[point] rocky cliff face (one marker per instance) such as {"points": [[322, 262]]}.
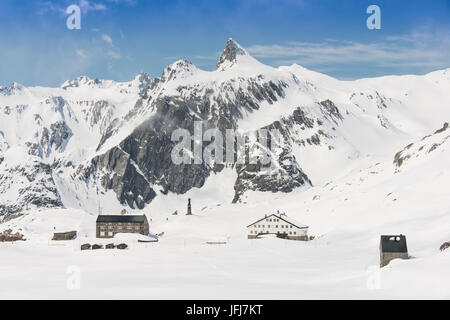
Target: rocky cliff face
{"points": [[26, 186], [143, 159]]}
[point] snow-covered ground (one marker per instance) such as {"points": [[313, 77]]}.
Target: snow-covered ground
{"points": [[347, 217]]}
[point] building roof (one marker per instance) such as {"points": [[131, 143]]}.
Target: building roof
{"points": [[393, 243], [285, 219], [66, 232], [121, 218]]}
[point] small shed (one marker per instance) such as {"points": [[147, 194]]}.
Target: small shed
{"points": [[60, 236], [392, 247], [85, 246], [122, 246]]}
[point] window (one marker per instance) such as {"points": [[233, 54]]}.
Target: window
{"points": [[295, 232], [110, 227], [137, 228], [276, 226], [102, 233], [291, 227], [110, 234], [102, 227]]}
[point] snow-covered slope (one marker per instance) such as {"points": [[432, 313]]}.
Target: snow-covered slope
{"points": [[44, 130]]}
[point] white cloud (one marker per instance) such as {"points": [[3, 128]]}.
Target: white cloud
{"points": [[107, 39], [86, 6], [113, 54], [126, 2], [44, 7], [81, 53], [418, 49], [211, 57]]}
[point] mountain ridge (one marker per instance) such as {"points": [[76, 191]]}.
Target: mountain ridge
{"points": [[101, 135]]}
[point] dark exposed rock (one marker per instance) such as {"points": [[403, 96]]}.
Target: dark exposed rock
{"points": [[9, 236], [232, 50], [55, 137], [444, 246], [143, 159], [39, 191]]}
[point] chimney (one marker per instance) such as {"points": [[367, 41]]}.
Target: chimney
{"points": [[189, 209]]}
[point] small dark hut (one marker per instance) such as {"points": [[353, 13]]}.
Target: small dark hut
{"points": [[122, 246], [110, 246], [60, 236], [392, 247], [97, 246], [85, 246], [444, 246]]}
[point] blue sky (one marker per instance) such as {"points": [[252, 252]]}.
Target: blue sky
{"points": [[120, 38]]}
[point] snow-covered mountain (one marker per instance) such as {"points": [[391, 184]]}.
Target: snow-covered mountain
{"points": [[96, 142]]}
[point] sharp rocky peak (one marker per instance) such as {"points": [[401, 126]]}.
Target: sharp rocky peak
{"points": [[230, 54]]}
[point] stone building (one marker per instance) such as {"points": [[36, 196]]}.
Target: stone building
{"points": [[59, 236], [280, 225], [392, 247], [108, 226]]}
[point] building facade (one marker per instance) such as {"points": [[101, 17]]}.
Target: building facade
{"points": [[392, 247], [60, 236], [107, 226], [280, 225]]}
